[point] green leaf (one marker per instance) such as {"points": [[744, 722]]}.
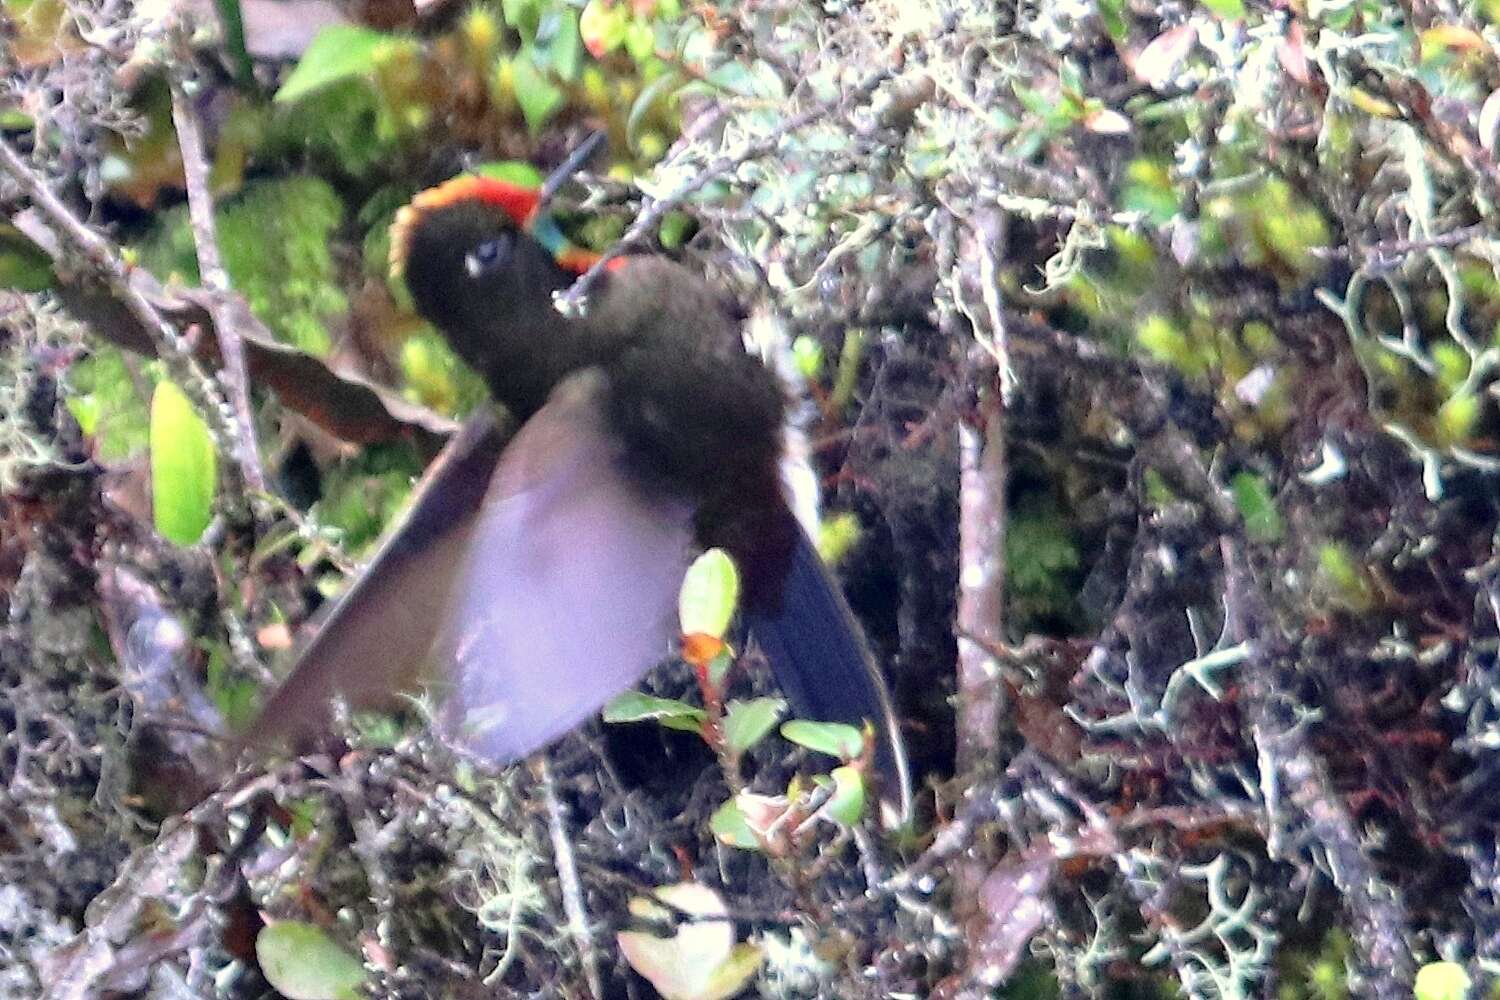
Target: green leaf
{"points": [[640, 41], [183, 466], [675, 229], [1457, 418], [339, 52], [538, 96], [633, 706], [747, 722], [602, 26], [558, 43], [522, 15], [733, 973], [236, 698], [718, 667], [302, 962], [233, 22], [735, 77], [833, 738], [838, 535], [807, 357], [710, 592], [1344, 576], [1253, 497], [757, 80], [517, 172], [729, 825], [102, 397], [86, 410], [1441, 981], [1226, 9], [1112, 13], [24, 266], [848, 802], [653, 92]]}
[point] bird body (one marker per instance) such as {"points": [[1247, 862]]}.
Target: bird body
{"points": [[548, 566]]}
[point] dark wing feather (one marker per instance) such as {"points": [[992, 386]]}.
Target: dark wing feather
{"points": [[374, 639], [821, 660], [569, 586]]}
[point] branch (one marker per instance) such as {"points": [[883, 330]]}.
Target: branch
{"points": [[215, 277], [348, 406], [104, 261], [1287, 755], [981, 582], [567, 875]]}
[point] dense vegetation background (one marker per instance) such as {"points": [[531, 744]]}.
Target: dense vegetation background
{"points": [[1150, 355]]}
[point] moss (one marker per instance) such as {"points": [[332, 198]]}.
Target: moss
{"points": [[1041, 562], [102, 396], [362, 496], [274, 237]]}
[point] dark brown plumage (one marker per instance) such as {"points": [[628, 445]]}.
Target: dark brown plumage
{"points": [[539, 578]]}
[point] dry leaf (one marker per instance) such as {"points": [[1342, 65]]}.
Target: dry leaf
{"points": [[1159, 60]]}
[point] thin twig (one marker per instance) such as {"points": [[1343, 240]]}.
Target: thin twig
{"points": [[213, 275], [567, 875], [765, 145], [1387, 254]]}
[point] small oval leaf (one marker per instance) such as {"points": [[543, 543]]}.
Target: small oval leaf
{"points": [[633, 706], [1441, 981], [698, 962], [538, 96], [1227, 10], [729, 825], [517, 172], [339, 52], [733, 973], [303, 963], [833, 738], [653, 92], [747, 722], [24, 266], [602, 26], [183, 466], [848, 802], [709, 595]]}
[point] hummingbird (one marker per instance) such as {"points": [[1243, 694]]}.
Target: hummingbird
{"points": [[535, 577]]}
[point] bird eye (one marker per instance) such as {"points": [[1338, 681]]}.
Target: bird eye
{"points": [[487, 255]]}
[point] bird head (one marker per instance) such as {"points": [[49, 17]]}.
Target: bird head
{"points": [[482, 262], [466, 254]]}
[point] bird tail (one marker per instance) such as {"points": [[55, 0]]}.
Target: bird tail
{"points": [[823, 664]]}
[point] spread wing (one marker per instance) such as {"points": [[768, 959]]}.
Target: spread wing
{"points": [[568, 587], [532, 581], [374, 639]]}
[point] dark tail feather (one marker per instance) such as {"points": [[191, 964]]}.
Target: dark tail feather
{"points": [[824, 666]]}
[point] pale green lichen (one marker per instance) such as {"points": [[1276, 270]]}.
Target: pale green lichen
{"points": [[28, 325]]}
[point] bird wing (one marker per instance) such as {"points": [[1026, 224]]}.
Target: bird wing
{"points": [[568, 587], [821, 660], [372, 641]]}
